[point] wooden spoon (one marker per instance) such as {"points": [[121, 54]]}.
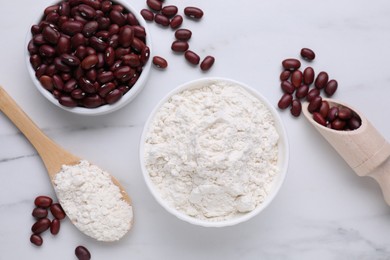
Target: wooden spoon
{"points": [[52, 155], [364, 149]]}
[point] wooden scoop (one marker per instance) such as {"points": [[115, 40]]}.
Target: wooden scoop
{"points": [[52, 155], [364, 149]]}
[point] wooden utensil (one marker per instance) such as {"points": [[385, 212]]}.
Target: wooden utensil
{"points": [[364, 149]]}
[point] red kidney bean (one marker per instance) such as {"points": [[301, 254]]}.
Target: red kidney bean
{"points": [[160, 62], [39, 213], [106, 6], [97, 44], [312, 94], [331, 87], [41, 225], [86, 85], [319, 119], [51, 35], [137, 45], [82, 253], [338, 124], [43, 201], [354, 123], [91, 75], [47, 51], [180, 46], [308, 54], [35, 61], [32, 48], [70, 85], [41, 70], [57, 211], [55, 226], [315, 104], [105, 76], [70, 60], [67, 101], [77, 94], [183, 34], [36, 239], [126, 36], [285, 75], [161, 19], [63, 45], [193, 12], [169, 10], [176, 21], [154, 5], [345, 113], [58, 83], [92, 101], [38, 39], [59, 65], [207, 63], [308, 75], [89, 62], [321, 80], [117, 17], [87, 11], [147, 15], [296, 108], [287, 87], [285, 101], [64, 9], [105, 89], [139, 31], [131, 59], [332, 113], [90, 28], [145, 53], [302, 91], [324, 108], [291, 64], [192, 57], [296, 78], [72, 27], [113, 96]]}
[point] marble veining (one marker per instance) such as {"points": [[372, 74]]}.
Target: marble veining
{"points": [[324, 210]]}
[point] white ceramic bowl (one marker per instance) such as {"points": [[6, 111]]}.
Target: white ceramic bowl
{"points": [[104, 109], [283, 155]]}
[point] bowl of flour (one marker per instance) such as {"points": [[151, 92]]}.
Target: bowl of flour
{"points": [[214, 152]]}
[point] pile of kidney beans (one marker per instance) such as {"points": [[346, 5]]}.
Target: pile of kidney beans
{"points": [[88, 53], [168, 16], [43, 206], [297, 86]]}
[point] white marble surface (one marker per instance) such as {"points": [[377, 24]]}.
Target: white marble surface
{"points": [[324, 211]]}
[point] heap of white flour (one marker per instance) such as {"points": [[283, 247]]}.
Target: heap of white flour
{"points": [[92, 201], [212, 151]]}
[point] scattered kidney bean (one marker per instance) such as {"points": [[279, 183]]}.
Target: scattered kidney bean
{"points": [[287, 87], [155, 5], [308, 54], [36, 239], [192, 57], [207, 63], [39, 213], [43, 201], [321, 80], [315, 104], [285, 101], [57, 211], [285, 75], [302, 91], [176, 21], [147, 15], [161, 19], [296, 107], [314, 92], [82, 253], [41, 225], [183, 34], [160, 62], [291, 64], [55, 226], [308, 75], [180, 46], [324, 109], [193, 12], [319, 119], [331, 87], [296, 78], [169, 10]]}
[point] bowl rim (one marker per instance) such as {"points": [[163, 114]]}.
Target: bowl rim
{"points": [[283, 155], [107, 108]]}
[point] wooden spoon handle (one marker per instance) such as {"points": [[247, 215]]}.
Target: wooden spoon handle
{"points": [[49, 151], [382, 176]]}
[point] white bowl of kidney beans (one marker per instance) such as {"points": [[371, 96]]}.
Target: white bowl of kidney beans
{"points": [[172, 151], [89, 57]]}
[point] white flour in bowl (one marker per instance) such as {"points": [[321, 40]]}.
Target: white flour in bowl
{"points": [[212, 151], [92, 201]]}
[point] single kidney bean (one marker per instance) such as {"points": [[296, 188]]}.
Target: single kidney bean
{"points": [[331, 87], [308, 75], [319, 119], [160, 62], [183, 34], [169, 10], [155, 5], [47, 51], [51, 35], [51, 9], [43, 201], [176, 21], [35, 61], [38, 39], [207, 63], [70, 85], [36, 239], [285, 75], [72, 27], [64, 9], [77, 94], [296, 78], [131, 19], [70, 60], [59, 65], [86, 85], [90, 28], [315, 104], [63, 45], [40, 71], [308, 54], [296, 108], [291, 64], [87, 11], [82, 253], [137, 45], [67, 101], [312, 94], [321, 80], [354, 123], [105, 89], [332, 114], [126, 36], [193, 12], [285, 101], [145, 53], [89, 62], [161, 19], [192, 57], [58, 83], [97, 44], [287, 87], [57, 211], [124, 73], [345, 113], [32, 48], [338, 124], [147, 15], [41, 225], [117, 17], [324, 109], [113, 96], [55, 226], [92, 101], [131, 59], [180, 46], [139, 31], [51, 69], [105, 76], [39, 213], [302, 91], [91, 75]]}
